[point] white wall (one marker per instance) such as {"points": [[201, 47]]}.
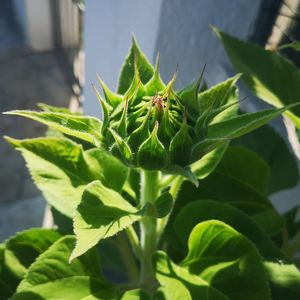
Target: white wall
{"points": [[107, 38]]}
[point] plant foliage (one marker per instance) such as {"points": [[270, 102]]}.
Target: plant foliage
{"points": [[162, 206]]}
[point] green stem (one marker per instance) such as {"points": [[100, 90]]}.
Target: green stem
{"points": [[149, 193]]}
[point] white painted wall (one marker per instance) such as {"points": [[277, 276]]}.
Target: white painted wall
{"points": [[108, 27], [39, 24]]}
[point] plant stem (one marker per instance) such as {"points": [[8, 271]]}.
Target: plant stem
{"points": [[149, 193]]}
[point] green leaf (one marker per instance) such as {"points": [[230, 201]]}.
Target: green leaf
{"points": [[61, 169], [246, 166], [193, 287], [171, 289], [52, 277], [227, 260], [269, 76], [6, 291], [185, 172], [163, 204], [51, 108], [285, 281], [204, 210], [295, 45], [292, 221], [223, 188], [82, 127], [235, 127], [19, 252], [101, 213], [136, 294], [107, 168], [204, 166], [227, 94], [283, 164], [127, 72]]}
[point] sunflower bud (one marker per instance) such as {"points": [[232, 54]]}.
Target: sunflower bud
{"points": [[149, 125]]}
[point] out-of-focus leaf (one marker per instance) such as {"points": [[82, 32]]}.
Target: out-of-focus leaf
{"points": [[273, 149], [246, 166], [270, 76], [285, 281]]}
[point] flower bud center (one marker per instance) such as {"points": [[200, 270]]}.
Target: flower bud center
{"points": [[158, 102]]}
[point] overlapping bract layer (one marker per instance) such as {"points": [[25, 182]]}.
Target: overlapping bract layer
{"points": [[152, 126]]}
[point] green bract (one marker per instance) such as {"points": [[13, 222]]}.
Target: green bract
{"points": [[153, 127]]}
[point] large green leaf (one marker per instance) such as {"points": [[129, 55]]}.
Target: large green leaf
{"points": [[61, 169], [285, 281], [171, 289], [227, 260], [224, 188], [235, 127], [246, 166], [136, 294], [52, 277], [168, 274], [18, 253], [51, 108], [203, 210], [270, 77], [101, 213], [127, 72], [283, 164], [82, 127]]}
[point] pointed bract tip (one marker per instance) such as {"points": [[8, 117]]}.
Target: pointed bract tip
{"points": [[134, 42], [157, 60], [155, 128], [216, 30], [200, 78], [10, 112], [101, 82], [12, 141]]}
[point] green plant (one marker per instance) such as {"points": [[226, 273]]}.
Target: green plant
{"points": [[154, 191], [270, 76]]}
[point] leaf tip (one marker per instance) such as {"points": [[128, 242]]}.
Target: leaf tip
{"points": [[12, 141]]}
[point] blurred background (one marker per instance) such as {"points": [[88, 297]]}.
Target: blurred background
{"points": [[51, 50]]}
